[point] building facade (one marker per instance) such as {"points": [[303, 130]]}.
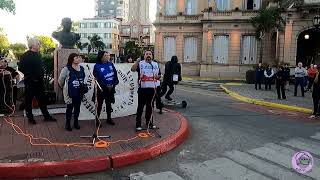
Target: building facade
{"points": [[106, 28], [139, 11], [138, 28], [137, 32], [112, 8], [215, 38]]}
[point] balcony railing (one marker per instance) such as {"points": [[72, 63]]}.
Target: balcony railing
{"points": [[170, 18], [222, 13], [216, 15]]}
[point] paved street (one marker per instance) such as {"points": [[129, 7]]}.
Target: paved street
{"points": [[230, 140]]}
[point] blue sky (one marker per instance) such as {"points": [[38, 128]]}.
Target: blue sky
{"points": [[42, 17]]}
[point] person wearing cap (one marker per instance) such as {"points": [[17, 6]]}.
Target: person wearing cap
{"points": [[31, 66], [14, 75]]}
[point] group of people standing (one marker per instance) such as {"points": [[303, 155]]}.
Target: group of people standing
{"points": [[306, 78], [281, 76], [72, 77], [105, 73]]}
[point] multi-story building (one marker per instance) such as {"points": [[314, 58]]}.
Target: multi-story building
{"points": [[106, 28], [112, 8], [136, 31], [138, 28], [139, 11], [216, 38]]}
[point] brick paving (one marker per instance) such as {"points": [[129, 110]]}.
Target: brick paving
{"points": [[248, 90], [16, 148]]}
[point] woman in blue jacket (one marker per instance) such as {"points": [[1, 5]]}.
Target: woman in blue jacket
{"points": [[106, 75]]}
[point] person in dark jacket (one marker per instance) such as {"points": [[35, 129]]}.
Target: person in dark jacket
{"points": [[268, 74], [259, 76], [14, 75], [286, 70], [316, 95], [280, 82], [106, 75], [172, 75], [31, 66]]}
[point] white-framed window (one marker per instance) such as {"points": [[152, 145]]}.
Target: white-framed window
{"points": [[191, 7], [145, 30], [169, 48], [223, 5], [171, 7], [252, 4], [190, 49], [248, 50], [220, 49]]}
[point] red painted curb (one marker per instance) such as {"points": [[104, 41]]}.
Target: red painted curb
{"points": [[154, 150], [75, 167], [48, 169]]}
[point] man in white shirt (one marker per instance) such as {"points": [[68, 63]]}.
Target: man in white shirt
{"points": [[299, 73], [148, 71]]}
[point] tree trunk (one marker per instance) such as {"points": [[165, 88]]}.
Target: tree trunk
{"points": [[261, 50]]}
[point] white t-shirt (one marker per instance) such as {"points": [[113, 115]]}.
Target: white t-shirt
{"points": [[148, 71]]}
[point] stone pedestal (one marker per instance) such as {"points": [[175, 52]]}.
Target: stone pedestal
{"points": [[60, 61]]}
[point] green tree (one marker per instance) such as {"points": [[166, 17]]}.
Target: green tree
{"points": [[47, 44], [8, 5], [18, 49], [133, 50], [81, 45], [267, 22], [4, 43], [95, 44]]}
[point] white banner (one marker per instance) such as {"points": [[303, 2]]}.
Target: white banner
{"points": [[126, 96]]}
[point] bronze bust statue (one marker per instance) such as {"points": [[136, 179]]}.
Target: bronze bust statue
{"points": [[66, 38]]}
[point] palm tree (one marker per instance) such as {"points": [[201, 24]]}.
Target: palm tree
{"points": [[267, 22], [133, 50], [95, 44]]}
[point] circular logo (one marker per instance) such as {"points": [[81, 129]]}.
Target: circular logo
{"points": [[302, 162]]}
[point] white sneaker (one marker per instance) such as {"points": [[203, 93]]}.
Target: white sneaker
{"points": [[139, 129], [312, 116]]}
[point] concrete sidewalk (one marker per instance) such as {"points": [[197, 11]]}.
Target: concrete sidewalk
{"points": [[248, 90]]}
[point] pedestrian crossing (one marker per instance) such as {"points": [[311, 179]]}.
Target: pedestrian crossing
{"points": [[269, 162]]}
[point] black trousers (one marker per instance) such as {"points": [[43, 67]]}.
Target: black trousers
{"points": [[258, 82], [75, 107], [280, 87], [268, 82], [299, 81], [315, 105], [164, 89], [159, 104], [310, 79], [145, 97], [107, 95], [35, 89]]}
